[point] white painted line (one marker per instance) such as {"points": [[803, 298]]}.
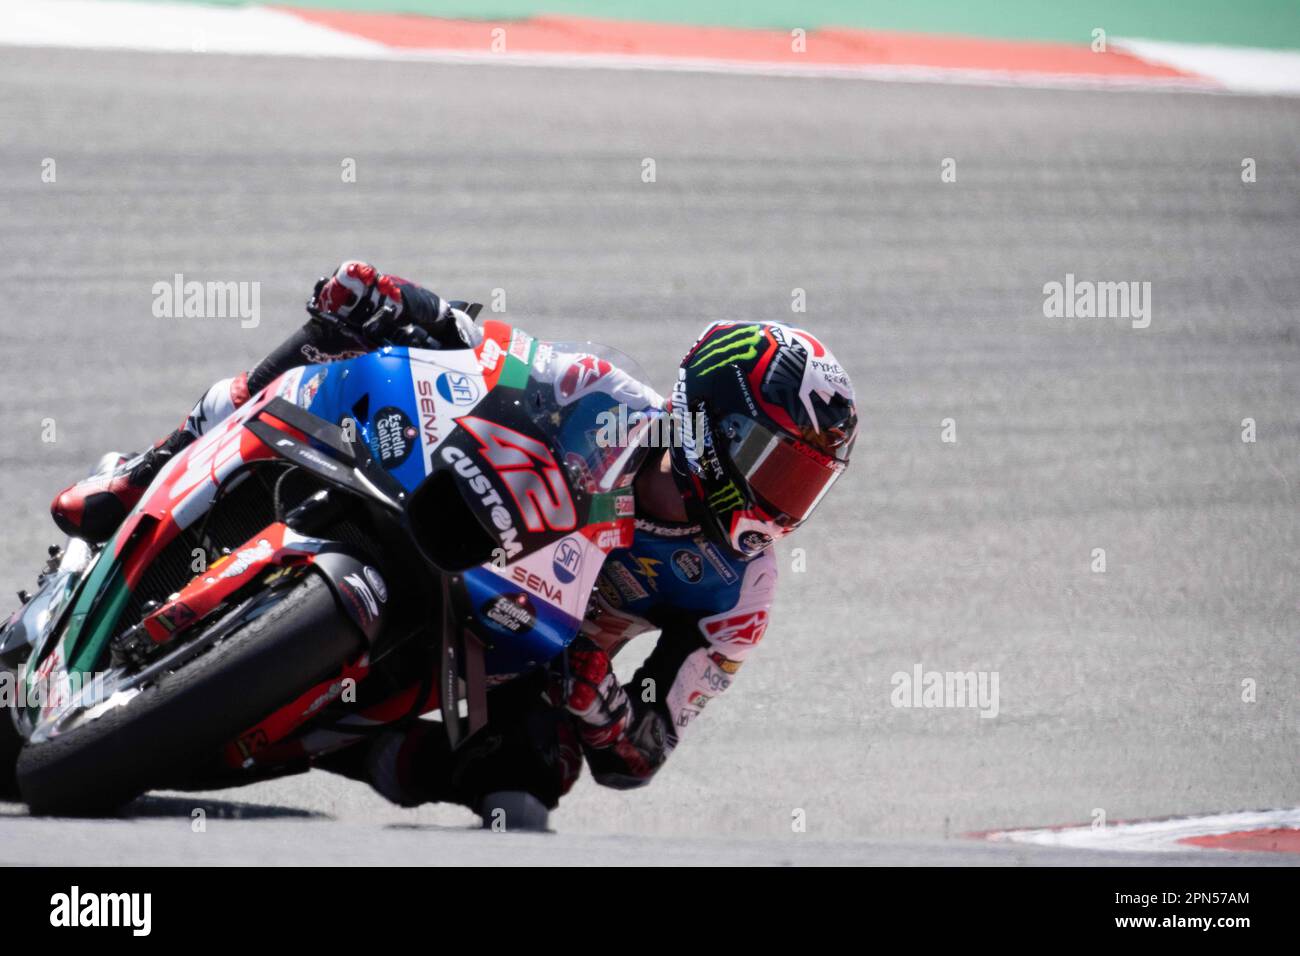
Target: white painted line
{"points": [[194, 28], [899, 74], [1240, 69], [189, 28], [1152, 835]]}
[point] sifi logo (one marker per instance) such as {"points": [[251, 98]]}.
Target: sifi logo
{"points": [[457, 388], [568, 560]]}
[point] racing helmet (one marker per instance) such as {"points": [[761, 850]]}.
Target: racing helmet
{"points": [[764, 420]]}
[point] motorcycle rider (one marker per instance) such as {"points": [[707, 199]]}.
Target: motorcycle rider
{"points": [[764, 420]]}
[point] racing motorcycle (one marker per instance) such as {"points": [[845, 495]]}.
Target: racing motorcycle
{"points": [[360, 544]]}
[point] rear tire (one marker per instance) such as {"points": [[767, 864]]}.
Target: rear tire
{"points": [[178, 724]]}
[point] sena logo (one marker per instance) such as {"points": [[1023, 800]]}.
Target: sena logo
{"points": [[428, 412], [538, 585]]}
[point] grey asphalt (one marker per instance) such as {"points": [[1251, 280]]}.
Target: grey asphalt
{"points": [[1119, 692]]}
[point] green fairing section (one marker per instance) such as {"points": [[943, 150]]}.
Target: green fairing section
{"points": [[78, 655], [101, 628], [604, 507], [514, 374]]}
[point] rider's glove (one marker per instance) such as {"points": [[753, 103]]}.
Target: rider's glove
{"points": [[588, 689], [357, 293]]}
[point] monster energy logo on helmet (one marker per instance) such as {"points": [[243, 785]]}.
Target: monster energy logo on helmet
{"points": [[737, 345], [726, 498]]}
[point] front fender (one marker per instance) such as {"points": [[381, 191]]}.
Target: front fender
{"points": [[359, 589]]}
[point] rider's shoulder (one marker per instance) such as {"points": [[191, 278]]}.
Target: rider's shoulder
{"points": [[577, 374]]}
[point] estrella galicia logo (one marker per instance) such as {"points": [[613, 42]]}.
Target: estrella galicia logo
{"points": [[509, 613], [688, 566], [568, 559], [395, 436], [457, 388]]}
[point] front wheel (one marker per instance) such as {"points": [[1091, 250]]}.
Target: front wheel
{"points": [[10, 744], [176, 724]]}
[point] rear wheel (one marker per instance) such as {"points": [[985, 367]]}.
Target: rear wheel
{"points": [[175, 725]]}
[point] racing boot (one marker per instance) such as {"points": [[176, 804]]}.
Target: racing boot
{"points": [[513, 811], [93, 508]]}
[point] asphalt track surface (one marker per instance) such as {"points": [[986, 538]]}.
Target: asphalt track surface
{"points": [[1119, 691]]}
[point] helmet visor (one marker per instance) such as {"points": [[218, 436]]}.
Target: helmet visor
{"points": [[787, 475]]}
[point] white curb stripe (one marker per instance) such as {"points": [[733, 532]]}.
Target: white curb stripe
{"points": [[1152, 835], [186, 28], [1240, 69], [109, 24]]}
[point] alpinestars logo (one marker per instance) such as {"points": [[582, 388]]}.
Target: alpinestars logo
{"points": [[738, 345]]}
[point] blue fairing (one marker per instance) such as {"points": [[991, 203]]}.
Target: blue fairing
{"points": [[379, 392], [374, 390], [543, 629]]}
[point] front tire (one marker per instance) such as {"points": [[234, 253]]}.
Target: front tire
{"points": [[10, 744], [176, 725]]}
